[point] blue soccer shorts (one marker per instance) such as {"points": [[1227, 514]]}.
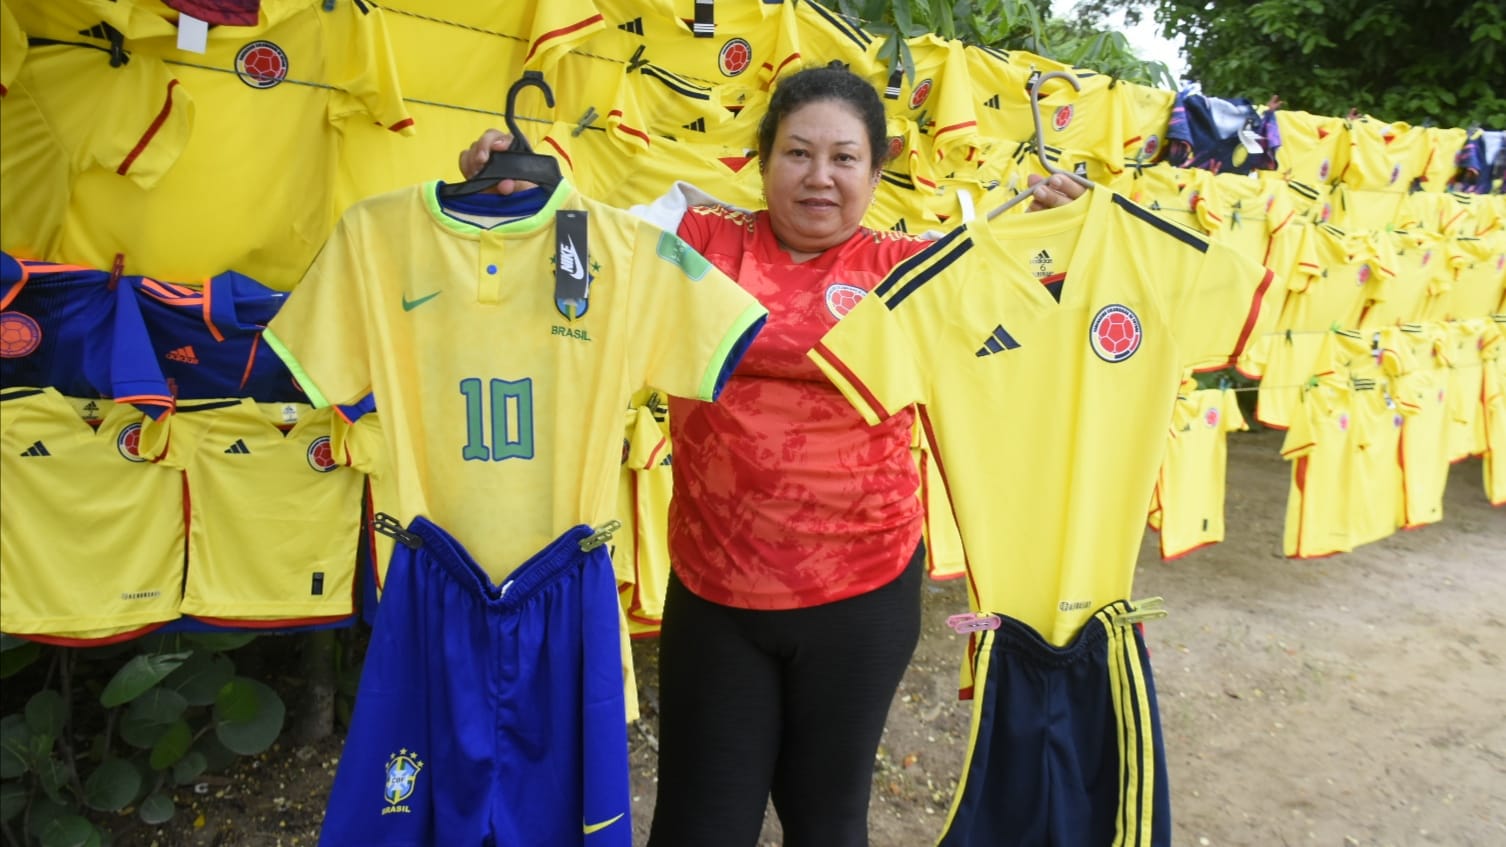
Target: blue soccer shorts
{"points": [[488, 715]]}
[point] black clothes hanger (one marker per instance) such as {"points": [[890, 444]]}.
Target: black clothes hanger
{"points": [[1040, 140], [518, 161]]}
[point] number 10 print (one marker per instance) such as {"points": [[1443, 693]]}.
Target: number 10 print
{"points": [[510, 406]]}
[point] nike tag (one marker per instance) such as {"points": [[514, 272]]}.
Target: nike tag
{"points": [[572, 259]]}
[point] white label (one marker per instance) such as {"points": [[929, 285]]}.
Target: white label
{"points": [[193, 34]]}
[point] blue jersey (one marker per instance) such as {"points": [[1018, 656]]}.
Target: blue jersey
{"points": [[70, 328], [208, 339], [1482, 162], [1220, 134]]}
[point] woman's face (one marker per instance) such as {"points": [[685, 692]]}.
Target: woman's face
{"points": [[820, 176]]}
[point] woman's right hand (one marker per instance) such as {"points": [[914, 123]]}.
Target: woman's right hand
{"points": [[475, 157]]}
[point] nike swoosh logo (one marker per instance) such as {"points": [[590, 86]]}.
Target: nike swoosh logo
{"points": [[410, 305], [590, 828]]}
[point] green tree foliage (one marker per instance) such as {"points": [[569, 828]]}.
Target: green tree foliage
{"points": [[1442, 61], [1003, 24]]}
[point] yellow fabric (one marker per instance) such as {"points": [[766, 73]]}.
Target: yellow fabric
{"points": [[250, 556], [488, 392], [1013, 347], [92, 541], [1190, 485]]}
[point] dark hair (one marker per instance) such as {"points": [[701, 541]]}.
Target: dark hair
{"points": [[829, 82]]}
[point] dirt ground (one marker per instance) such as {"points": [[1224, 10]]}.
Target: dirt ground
{"points": [[1354, 701]]}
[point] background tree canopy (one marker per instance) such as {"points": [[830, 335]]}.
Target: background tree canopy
{"points": [[1419, 61]]}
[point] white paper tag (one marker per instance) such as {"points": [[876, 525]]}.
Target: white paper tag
{"points": [[1250, 140], [289, 413], [193, 34], [965, 200]]}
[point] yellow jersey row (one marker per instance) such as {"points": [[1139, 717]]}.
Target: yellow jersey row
{"points": [[190, 514], [270, 131]]}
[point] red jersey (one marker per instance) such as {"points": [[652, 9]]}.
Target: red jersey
{"points": [[783, 498]]}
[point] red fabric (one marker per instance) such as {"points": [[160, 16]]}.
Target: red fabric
{"points": [[784, 497], [219, 12]]}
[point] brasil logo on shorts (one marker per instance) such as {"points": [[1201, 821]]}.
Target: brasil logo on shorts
{"points": [[841, 297], [128, 442], [261, 64], [1115, 333], [402, 777], [321, 455]]}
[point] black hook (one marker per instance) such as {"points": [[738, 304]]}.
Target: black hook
{"points": [[534, 79]]}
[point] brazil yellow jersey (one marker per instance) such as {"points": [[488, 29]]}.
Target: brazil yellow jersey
{"points": [[92, 541], [273, 96], [495, 397], [250, 556], [53, 130], [969, 334], [1190, 485]]}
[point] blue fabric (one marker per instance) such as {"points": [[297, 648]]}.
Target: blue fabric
{"points": [[488, 715], [1045, 768], [1204, 133]]}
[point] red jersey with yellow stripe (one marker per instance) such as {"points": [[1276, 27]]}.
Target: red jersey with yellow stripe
{"points": [[783, 499]]}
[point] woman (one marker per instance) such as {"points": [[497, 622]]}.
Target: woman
{"points": [[793, 606]]}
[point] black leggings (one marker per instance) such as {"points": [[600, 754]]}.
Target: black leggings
{"points": [[782, 704]]}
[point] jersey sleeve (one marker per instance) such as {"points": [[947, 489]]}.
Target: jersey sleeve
{"points": [[692, 323], [320, 333], [1227, 306], [363, 68]]}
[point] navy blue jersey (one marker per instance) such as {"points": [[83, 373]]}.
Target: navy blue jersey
{"points": [[1205, 133]]}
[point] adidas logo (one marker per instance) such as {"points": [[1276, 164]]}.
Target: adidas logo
{"points": [[238, 447], [635, 26], [1041, 258], [992, 102], [183, 354], [697, 125], [36, 449], [91, 408], [997, 343], [899, 226]]}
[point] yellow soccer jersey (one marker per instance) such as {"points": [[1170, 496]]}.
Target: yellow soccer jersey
{"points": [[92, 542], [260, 161], [1190, 486], [938, 99], [1479, 279], [969, 334], [1419, 376], [649, 467], [1319, 444], [944, 556], [1314, 148], [52, 129], [1422, 274], [1143, 116], [1075, 124], [741, 42], [360, 444], [490, 390], [251, 556], [1466, 425], [1444, 144], [1386, 157], [12, 48]]}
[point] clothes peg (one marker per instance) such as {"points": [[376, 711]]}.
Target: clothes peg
{"points": [[389, 526], [600, 535]]}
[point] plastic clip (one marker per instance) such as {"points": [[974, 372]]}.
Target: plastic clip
{"points": [[600, 535], [585, 121], [973, 622], [388, 525], [1148, 609]]}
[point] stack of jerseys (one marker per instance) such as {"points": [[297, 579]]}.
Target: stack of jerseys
{"points": [[150, 441]]}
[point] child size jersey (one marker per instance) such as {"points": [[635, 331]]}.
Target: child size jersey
{"points": [[649, 480], [1144, 120], [1493, 358], [261, 160], [1385, 156], [1314, 148], [972, 337], [709, 43], [1444, 144], [92, 542], [1190, 485], [780, 502], [1320, 441], [1479, 277], [207, 338], [1220, 134], [1074, 123], [497, 397], [1466, 427], [1254, 215], [1419, 377], [273, 518], [67, 327], [53, 130], [937, 98]]}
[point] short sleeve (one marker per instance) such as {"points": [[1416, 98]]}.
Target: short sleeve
{"points": [[320, 332]]}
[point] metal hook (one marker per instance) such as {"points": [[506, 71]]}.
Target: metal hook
{"points": [[1040, 139]]}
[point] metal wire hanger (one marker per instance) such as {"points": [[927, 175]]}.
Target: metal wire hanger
{"points": [[1040, 142]]}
